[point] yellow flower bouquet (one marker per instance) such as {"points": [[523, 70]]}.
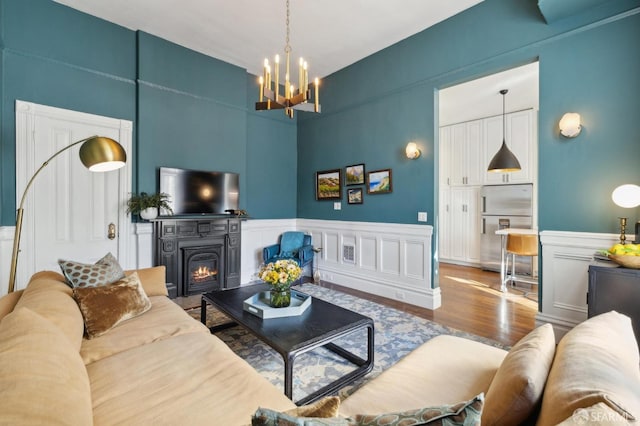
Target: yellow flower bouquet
{"points": [[280, 275]]}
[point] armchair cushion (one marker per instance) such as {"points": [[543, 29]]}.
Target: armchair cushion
{"points": [[290, 243]]}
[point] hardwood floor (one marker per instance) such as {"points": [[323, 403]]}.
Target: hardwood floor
{"points": [[471, 302]]}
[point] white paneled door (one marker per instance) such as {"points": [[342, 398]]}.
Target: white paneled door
{"points": [[70, 212]]}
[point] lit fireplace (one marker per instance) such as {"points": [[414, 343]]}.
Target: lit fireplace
{"points": [[202, 268], [203, 273]]}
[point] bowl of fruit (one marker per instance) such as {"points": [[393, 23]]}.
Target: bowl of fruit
{"points": [[627, 255]]}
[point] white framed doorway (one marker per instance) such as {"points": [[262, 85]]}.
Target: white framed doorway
{"points": [[68, 210]]}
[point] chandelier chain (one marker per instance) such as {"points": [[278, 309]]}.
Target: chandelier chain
{"points": [[287, 47]]}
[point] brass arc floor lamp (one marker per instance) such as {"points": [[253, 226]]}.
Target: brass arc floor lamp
{"points": [[98, 154]]}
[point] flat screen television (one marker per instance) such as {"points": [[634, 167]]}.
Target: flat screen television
{"points": [[195, 192]]}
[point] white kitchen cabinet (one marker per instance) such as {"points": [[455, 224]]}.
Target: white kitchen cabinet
{"points": [[464, 225], [520, 138], [444, 223], [465, 150], [444, 153]]}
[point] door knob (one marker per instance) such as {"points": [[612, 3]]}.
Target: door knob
{"points": [[111, 231]]}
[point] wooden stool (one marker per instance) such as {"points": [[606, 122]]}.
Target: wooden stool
{"points": [[520, 245]]}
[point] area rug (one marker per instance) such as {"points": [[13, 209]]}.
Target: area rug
{"points": [[396, 334]]}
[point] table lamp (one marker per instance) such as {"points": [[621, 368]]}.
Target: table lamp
{"points": [[98, 154], [627, 196]]}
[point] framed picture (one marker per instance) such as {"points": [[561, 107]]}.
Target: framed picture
{"points": [[329, 185], [379, 182], [354, 196], [354, 175]]}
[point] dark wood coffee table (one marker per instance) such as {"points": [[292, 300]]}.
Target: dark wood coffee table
{"points": [[320, 325]]}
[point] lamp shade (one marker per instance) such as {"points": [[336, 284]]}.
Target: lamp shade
{"points": [[504, 161], [627, 196], [101, 154]]}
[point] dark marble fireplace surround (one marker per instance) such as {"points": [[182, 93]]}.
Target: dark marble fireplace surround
{"points": [[201, 254]]}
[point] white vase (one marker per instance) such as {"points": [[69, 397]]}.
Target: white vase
{"points": [[149, 213]]}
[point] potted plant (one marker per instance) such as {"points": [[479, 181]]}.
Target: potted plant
{"points": [[147, 205]]}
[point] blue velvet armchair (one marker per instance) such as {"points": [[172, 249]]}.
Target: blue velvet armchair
{"points": [[293, 245]]}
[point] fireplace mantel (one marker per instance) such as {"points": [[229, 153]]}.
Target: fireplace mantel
{"points": [[178, 240]]}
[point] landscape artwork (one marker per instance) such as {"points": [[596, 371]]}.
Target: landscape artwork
{"points": [[328, 185], [354, 196], [379, 181], [354, 175]]}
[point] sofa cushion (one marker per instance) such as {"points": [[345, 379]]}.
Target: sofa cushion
{"points": [[441, 371], [516, 390], [290, 242], [8, 302], [595, 362], [104, 271], [599, 414], [165, 319], [190, 379], [42, 378], [48, 295], [153, 280], [104, 307]]}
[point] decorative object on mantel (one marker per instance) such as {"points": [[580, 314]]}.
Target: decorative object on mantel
{"points": [[291, 100], [504, 161], [280, 275], [626, 196], [98, 154], [147, 205], [260, 305]]}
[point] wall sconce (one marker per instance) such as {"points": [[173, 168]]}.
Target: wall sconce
{"points": [[627, 196], [412, 151], [570, 125]]}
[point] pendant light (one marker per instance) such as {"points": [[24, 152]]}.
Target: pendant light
{"points": [[504, 161]]}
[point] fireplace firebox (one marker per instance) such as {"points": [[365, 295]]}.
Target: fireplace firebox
{"points": [[199, 255]]}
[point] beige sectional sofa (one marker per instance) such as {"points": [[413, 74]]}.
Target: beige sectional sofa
{"points": [[165, 368], [161, 368]]}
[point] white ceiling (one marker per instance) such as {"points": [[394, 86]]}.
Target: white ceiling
{"points": [[329, 34], [481, 97]]}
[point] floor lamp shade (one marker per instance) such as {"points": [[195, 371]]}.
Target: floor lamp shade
{"points": [[98, 154]]}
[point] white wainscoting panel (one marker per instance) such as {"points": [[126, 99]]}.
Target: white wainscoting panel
{"points": [[6, 247], [392, 260], [256, 235], [142, 245], [566, 257]]}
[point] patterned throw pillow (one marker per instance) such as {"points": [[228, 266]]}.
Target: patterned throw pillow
{"points": [[464, 414], [104, 307], [105, 271]]}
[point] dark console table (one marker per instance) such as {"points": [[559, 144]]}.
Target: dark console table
{"points": [[615, 289], [201, 254]]}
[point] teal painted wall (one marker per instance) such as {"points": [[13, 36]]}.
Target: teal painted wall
{"points": [[189, 110], [56, 56], [589, 63]]}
